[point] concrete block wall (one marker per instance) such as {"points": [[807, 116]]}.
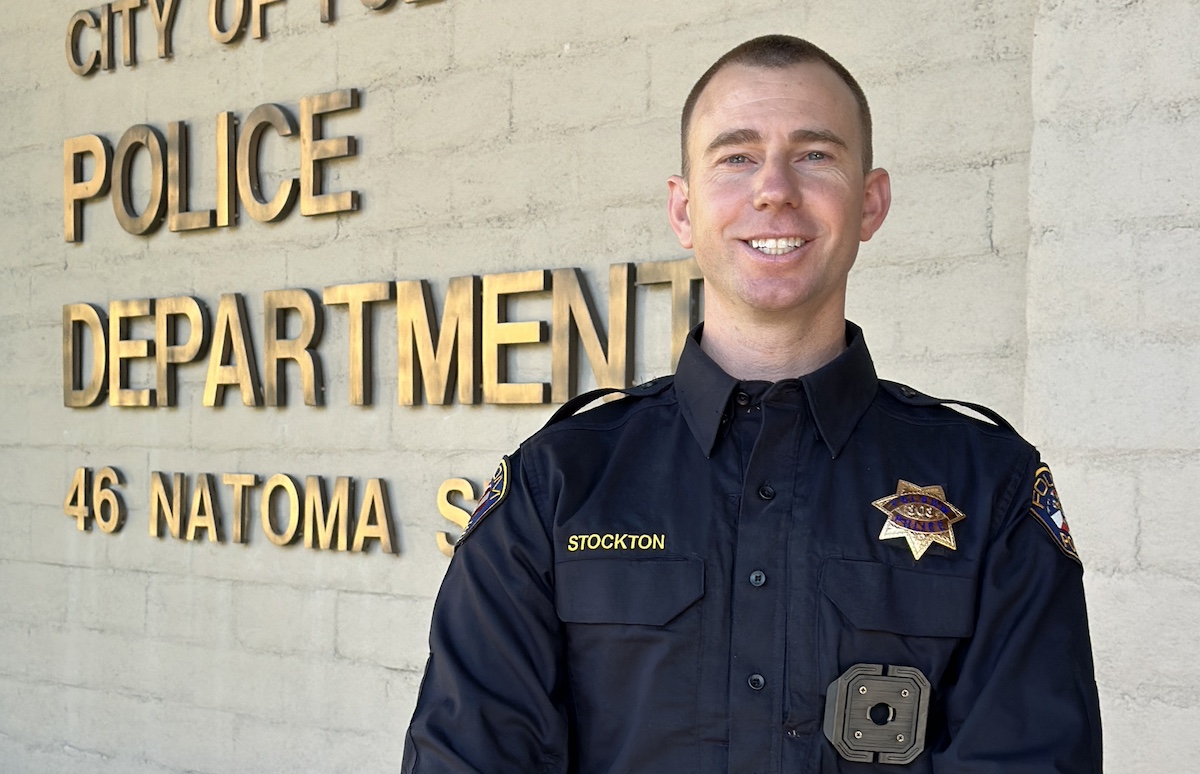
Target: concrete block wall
{"points": [[1036, 259], [1113, 369]]}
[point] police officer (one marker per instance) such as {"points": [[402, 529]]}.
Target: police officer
{"points": [[772, 561]]}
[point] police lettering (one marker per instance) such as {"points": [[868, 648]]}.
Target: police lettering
{"points": [[615, 541], [92, 168]]}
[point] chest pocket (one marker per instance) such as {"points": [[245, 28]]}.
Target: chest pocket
{"points": [[878, 597], [650, 592]]}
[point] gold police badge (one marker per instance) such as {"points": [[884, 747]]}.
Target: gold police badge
{"points": [[920, 515]]}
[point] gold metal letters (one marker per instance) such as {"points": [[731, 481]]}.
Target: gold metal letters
{"points": [[316, 148], [240, 484], [258, 18], [122, 349], [204, 514], [125, 9], [77, 318], [76, 190], [685, 278], [238, 173], [324, 525], [166, 504], [164, 22], [374, 519], [179, 218], [611, 360], [291, 530], [320, 522], [498, 333], [140, 136], [231, 358], [454, 353], [451, 512], [465, 357], [277, 348], [75, 26], [249, 183], [100, 56], [105, 507], [357, 298], [216, 15], [168, 354], [226, 169]]}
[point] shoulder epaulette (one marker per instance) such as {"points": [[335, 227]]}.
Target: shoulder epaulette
{"points": [[643, 390], [906, 394]]}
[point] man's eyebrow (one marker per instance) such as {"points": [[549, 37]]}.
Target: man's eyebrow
{"points": [[735, 137], [751, 136], [816, 135]]}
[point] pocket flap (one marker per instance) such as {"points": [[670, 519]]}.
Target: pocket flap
{"points": [[627, 591], [879, 597]]}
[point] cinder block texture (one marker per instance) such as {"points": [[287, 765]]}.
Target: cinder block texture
{"points": [[1039, 258], [1113, 373]]}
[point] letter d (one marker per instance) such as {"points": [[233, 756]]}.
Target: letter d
{"points": [[75, 319]]}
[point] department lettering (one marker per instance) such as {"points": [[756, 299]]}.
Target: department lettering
{"points": [[465, 356]]}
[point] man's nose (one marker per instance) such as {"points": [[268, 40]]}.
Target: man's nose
{"points": [[777, 184]]}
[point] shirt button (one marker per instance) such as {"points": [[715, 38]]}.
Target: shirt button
{"points": [[793, 733], [766, 492], [742, 399], [758, 578], [756, 681]]}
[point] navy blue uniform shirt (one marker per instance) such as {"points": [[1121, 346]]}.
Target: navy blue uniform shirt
{"points": [[668, 583]]}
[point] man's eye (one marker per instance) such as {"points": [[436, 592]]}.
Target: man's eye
{"points": [[736, 158], [814, 156]]}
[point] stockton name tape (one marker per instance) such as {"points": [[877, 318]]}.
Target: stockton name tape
{"points": [[616, 541]]}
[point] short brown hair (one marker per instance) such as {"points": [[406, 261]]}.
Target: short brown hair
{"points": [[777, 52]]}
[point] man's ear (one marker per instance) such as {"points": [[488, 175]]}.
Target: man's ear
{"points": [[877, 200], [677, 210]]}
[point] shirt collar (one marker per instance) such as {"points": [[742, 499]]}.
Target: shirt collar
{"points": [[838, 393]]}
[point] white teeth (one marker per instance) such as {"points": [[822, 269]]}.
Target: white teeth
{"points": [[776, 246]]}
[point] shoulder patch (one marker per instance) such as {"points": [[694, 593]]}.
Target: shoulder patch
{"points": [[1046, 508], [493, 494]]}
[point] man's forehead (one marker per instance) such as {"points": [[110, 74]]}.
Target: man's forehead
{"points": [[737, 88]]}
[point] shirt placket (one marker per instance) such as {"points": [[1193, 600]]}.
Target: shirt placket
{"points": [[757, 654]]}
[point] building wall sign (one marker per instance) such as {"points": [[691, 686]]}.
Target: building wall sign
{"points": [[91, 34], [126, 354], [465, 357], [92, 169], [288, 512]]}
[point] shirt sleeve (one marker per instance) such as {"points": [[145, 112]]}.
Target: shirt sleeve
{"points": [[1025, 697], [493, 695]]}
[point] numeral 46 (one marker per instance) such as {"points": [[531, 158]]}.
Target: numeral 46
{"points": [[104, 505]]}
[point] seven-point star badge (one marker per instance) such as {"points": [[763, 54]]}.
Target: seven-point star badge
{"points": [[920, 515]]}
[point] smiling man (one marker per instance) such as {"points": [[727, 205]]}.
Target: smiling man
{"points": [[776, 195], [772, 561]]}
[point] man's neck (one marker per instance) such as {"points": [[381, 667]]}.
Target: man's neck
{"points": [[772, 349]]}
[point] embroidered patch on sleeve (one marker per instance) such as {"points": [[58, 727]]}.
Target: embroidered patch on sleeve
{"points": [[1047, 509], [493, 495]]}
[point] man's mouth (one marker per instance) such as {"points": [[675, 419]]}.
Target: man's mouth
{"points": [[776, 246]]}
